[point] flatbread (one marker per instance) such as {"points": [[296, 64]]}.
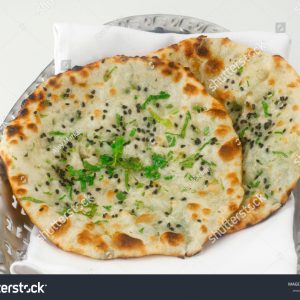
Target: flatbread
{"points": [[124, 157], [261, 93]]}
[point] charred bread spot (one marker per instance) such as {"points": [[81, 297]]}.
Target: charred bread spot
{"points": [[233, 206], [206, 211], [295, 129], [172, 65], [121, 59], [271, 81], [203, 228], [167, 71], [21, 192], [32, 127], [202, 193], [177, 76], [112, 91], [292, 84], [87, 238], [43, 208], [222, 95], [20, 179], [222, 130], [232, 177], [144, 218], [190, 89], [84, 73], [225, 41], [36, 96], [230, 150], [195, 217], [202, 50], [174, 47], [123, 241], [23, 113], [214, 66], [277, 60], [172, 238], [230, 191], [54, 83], [188, 48], [77, 68], [193, 206], [94, 65], [13, 130], [217, 113], [73, 80], [61, 227]]}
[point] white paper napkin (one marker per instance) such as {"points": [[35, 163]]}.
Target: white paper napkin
{"points": [[264, 248], [81, 44]]}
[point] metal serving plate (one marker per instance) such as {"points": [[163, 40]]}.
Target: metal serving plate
{"points": [[15, 226]]}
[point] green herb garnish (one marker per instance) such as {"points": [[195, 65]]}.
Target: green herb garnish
{"points": [[121, 196], [56, 133], [206, 131], [171, 139], [188, 117], [31, 199], [199, 108], [280, 153], [166, 122], [117, 148], [107, 74], [107, 207], [265, 106], [161, 96], [132, 132]]}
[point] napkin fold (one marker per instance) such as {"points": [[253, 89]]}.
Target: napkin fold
{"points": [[265, 248]]}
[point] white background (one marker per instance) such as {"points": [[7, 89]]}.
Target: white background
{"points": [[26, 41], [26, 47]]}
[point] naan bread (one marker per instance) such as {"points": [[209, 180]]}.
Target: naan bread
{"points": [[124, 157], [261, 93]]}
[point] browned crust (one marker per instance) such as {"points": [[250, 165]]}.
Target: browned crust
{"points": [[229, 150]]}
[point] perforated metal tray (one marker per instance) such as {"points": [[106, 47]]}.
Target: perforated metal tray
{"points": [[15, 226]]}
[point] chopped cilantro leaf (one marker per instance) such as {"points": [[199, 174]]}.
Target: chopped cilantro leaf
{"points": [[31, 199], [90, 167], [57, 133], [265, 106], [107, 74], [107, 207], [161, 96], [171, 139], [280, 153], [199, 108], [117, 148], [121, 196], [166, 122], [118, 120], [206, 131], [188, 117], [152, 172], [132, 132]]}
